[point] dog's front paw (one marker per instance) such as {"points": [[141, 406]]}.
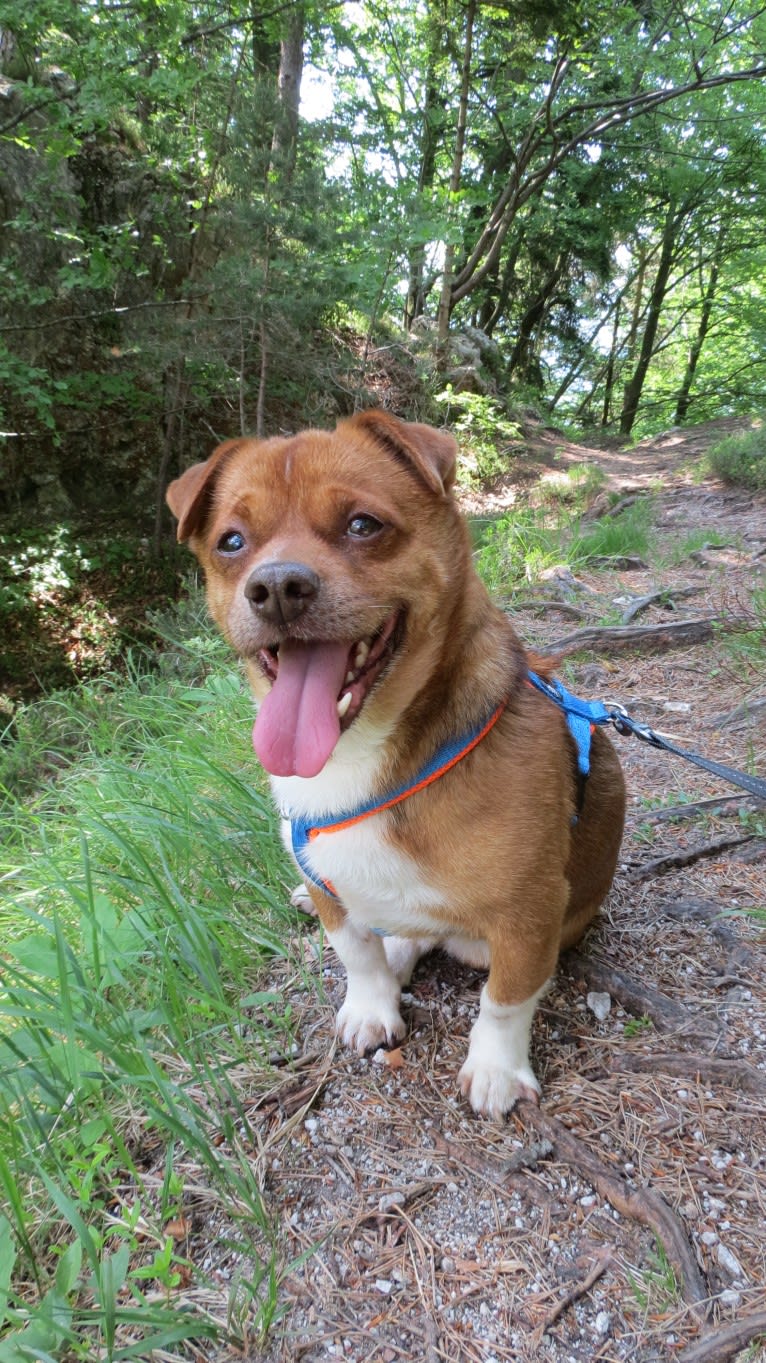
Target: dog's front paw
{"points": [[492, 1090], [365, 1024]]}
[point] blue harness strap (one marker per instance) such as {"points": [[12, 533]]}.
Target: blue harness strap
{"points": [[304, 830], [580, 715]]}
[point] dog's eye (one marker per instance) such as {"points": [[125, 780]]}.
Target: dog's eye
{"points": [[231, 542], [363, 527]]}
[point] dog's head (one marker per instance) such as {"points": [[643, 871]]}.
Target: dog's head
{"points": [[334, 562]]}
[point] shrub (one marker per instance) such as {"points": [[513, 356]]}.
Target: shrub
{"points": [[741, 457]]}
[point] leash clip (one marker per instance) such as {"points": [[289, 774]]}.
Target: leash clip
{"points": [[630, 728]]}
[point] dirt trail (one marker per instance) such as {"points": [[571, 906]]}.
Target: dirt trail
{"points": [[625, 1219]]}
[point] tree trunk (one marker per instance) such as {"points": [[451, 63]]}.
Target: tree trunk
{"points": [[285, 139], [284, 145], [521, 359], [445, 299], [415, 301], [695, 349], [634, 386], [609, 377]]}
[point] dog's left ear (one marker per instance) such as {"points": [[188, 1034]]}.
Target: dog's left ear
{"points": [[432, 453], [189, 496]]}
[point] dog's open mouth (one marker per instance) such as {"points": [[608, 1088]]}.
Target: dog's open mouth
{"points": [[318, 688]]}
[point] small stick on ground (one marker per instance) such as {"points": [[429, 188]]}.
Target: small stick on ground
{"points": [[719, 1345], [640, 1204], [578, 1290], [674, 860]]}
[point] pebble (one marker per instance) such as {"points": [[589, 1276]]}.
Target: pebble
{"points": [[709, 1237], [729, 1262], [729, 1297], [391, 1200], [602, 1322], [383, 1285], [600, 1005]]}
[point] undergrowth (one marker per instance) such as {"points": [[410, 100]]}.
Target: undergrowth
{"points": [[741, 457], [519, 547], [142, 894]]}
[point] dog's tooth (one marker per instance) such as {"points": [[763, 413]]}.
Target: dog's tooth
{"points": [[343, 704], [362, 652], [350, 676]]}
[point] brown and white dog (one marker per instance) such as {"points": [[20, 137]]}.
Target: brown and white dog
{"points": [[339, 568]]}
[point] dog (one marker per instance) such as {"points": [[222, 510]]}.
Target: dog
{"points": [[429, 792]]}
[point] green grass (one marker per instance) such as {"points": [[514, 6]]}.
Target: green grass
{"points": [[518, 547], [574, 488], [741, 458], [142, 894]]}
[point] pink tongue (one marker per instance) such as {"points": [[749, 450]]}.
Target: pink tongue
{"points": [[297, 725]]}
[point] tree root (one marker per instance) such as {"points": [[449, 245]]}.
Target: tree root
{"points": [[640, 999], [709, 1069], [639, 1204], [719, 1345]]}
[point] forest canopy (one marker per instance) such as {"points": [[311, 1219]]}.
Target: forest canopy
{"points": [[218, 217]]}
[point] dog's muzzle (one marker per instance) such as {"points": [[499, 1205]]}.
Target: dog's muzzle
{"points": [[280, 592]]}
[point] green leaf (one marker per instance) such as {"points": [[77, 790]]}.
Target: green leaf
{"points": [[7, 1260]]}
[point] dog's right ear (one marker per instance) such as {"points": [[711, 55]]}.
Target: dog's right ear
{"points": [[189, 496]]}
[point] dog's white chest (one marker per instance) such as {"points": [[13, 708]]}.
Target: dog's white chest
{"points": [[378, 884]]}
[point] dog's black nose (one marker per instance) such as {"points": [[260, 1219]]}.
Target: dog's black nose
{"points": [[280, 592]]}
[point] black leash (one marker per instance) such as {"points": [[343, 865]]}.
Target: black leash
{"points": [[624, 724], [584, 713]]}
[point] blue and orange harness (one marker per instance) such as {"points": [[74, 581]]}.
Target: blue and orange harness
{"points": [[581, 717]]}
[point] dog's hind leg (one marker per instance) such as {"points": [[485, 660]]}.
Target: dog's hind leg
{"points": [[370, 1014], [403, 954]]}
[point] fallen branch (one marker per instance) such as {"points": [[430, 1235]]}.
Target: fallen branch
{"points": [[661, 865], [578, 1290], [719, 1345], [639, 998], [674, 634], [747, 713], [639, 1204], [623, 563], [494, 1170], [717, 804], [641, 602], [548, 604], [710, 1070], [603, 508]]}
